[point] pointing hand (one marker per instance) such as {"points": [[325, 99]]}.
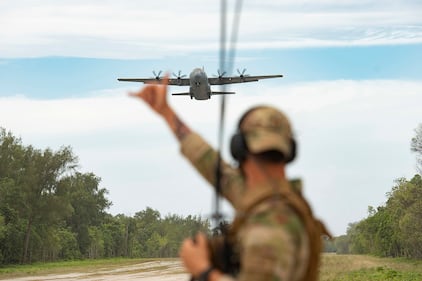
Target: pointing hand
{"points": [[155, 95]]}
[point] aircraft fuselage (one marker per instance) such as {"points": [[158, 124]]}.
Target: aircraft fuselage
{"points": [[200, 89]]}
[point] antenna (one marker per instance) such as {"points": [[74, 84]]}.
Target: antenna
{"points": [[226, 66]]}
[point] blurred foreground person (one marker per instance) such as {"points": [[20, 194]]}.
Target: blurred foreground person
{"points": [[274, 236]]}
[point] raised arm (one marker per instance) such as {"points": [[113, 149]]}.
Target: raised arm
{"points": [[195, 255], [155, 95]]}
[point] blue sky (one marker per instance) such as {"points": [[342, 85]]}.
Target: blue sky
{"points": [[41, 77], [352, 87]]}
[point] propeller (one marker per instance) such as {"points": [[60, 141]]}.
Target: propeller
{"points": [[179, 75], [220, 74], [157, 75], [242, 74]]}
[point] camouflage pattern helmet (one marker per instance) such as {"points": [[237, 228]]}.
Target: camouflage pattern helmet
{"points": [[266, 128]]}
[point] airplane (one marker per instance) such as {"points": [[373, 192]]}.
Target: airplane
{"points": [[200, 84]]}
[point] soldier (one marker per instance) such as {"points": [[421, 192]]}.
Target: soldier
{"points": [[274, 233]]}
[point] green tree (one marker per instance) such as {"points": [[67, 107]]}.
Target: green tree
{"points": [[416, 146], [2, 235], [119, 236], [357, 238], [28, 182], [394, 229], [11, 197], [329, 246], [404, 203], [96, 246], [342, 244], [48, 210], [11, 242], [147, 223], [39, 179], [11, 155], [156, 245], [88, 203], [69, 249], [161, 237]]}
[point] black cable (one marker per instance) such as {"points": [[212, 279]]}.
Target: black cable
{"points": [[233, 39], [224, 66]]}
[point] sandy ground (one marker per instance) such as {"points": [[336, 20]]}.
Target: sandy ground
{"points": [[148, 271]]}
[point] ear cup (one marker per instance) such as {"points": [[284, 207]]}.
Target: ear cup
{"points": [[292, 155], [238, 147]]}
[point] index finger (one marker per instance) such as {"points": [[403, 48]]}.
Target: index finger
{"points": [[165, 80]]}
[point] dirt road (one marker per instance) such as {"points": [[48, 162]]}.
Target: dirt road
{"points": [[147, 271]]}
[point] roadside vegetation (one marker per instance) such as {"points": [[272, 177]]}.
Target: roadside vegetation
{"points": [[369, 268], [50, 211]]}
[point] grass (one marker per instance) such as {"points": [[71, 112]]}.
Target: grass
{"points": [[367, 268], [333, 268]]}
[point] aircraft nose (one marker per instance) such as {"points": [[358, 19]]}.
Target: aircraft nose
{"points": [[197, 80]]}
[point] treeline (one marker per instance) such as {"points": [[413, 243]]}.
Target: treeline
{"points": [[395, 228], [50, 211], [392, 230]]}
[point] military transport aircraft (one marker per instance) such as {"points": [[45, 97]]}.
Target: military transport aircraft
{"points": [[200, 84]]}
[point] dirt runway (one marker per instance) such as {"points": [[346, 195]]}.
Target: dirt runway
{"points": [[146, 271]]}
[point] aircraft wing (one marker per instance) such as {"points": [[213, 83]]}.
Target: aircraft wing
{"points": [[239, 79], [172, 81]]}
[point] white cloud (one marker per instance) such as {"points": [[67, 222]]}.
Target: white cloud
{"points": [[129, 29], [353, 142], [65, 116]]}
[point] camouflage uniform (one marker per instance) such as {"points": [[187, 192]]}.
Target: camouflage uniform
{"points": [[272, 242]]}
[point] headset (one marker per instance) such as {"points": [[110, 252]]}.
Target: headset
{"points": [[239, 147]]}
